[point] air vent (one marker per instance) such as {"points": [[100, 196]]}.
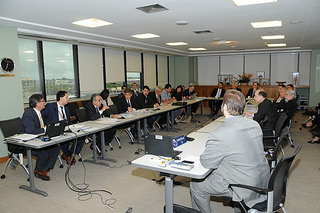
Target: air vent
{"points": [[202, 31], [154, 8]]}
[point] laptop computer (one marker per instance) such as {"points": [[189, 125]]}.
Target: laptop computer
{"points": [[55, 128], [160, 145]]}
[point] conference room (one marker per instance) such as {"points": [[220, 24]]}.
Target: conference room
{"points": [[48, 52]]}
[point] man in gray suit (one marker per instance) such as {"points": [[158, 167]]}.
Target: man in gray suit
{"points": [[234, 151]]}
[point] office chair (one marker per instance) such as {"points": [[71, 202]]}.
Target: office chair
{"points": [[72, 107], [276, 190], [270, 136], [289, 136], [9, 128]]}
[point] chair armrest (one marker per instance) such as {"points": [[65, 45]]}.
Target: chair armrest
{"points": [[269, 137], [252, 188]]}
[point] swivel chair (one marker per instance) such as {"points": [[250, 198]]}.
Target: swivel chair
{"points": [[270, 136], [9, 128], [276, 190]]}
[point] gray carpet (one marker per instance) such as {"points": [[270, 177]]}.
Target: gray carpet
{"points": [[134, 187]]}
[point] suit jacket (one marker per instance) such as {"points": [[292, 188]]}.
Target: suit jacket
{"points": [[237, 89], [92, 113], [187, 93], [215, 90], [235, 151], [266, 113], [51, 113], [30, 122], [144, 102], [289, 107], [122, 104], [152, 96], [250, 93], [178, 96]]}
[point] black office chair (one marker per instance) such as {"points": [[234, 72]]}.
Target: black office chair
{"points": [[276, 191], [289, 136], [270, 136], [72, 107], [9, 128]]}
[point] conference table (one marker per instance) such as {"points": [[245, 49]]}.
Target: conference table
{"points": [[89, 128]]}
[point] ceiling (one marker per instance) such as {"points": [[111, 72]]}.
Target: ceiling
{"points": [[226, 21]]}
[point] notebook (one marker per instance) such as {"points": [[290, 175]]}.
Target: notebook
{"points": [[55, 128], [160, 145]]}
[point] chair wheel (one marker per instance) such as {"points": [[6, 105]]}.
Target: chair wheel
{"points": [[28, 179], [111, 148], [3, 176], [131, 143], [119, 147], [61, 166], [80, 160], [292, 146], [300, 128]]}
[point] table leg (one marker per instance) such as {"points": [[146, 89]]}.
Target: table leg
{"points": [[168, 119], [32, 187], [201, 107], [145, 127], [138, 131], [169, 194], [103, 149]]}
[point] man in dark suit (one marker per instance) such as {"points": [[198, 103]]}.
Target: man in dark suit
{"points": [[144, 101], [126, 103], [135, 91], [32, 123], [218, 92], [234, 86], [123, 89], [288, 105], [266, 115], [188, 93], [58, 111], [252, 91], [156, 97], [96, 110]]}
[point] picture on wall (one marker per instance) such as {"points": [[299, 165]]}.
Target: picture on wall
{"points": [[226, 79], [295, 78], [260, 74]]}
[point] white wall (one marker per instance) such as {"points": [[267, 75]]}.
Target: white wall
{"points": [[280, 65]]}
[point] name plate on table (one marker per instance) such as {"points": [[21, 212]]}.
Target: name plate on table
{"points": [[178, 141]]}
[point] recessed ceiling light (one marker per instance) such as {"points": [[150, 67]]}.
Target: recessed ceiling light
{"points": [[249, 2], [197, 49], [181, 23], [277, 45], [145, 36], [30, 60], [28, 51], [176, 43], [277, 23], [273, 37], [225, 42], [91, 22]]}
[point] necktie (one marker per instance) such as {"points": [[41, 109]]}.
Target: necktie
{"points": [[158, 99], [62, 112], [129, 104], [218, 95], [41, 121], [107, 102]]}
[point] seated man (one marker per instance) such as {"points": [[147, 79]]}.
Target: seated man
{"points": [[58, 111], [144, 101], [123, 89], [32, 123], [135, 91], [218, 92], [266, 115], [252, 90], [167, 99], [234, 151], [282, 91], [127, 104], [106, 100], [234, 86], [188, 93], [156, 97], [96, 110], [288, 105]]}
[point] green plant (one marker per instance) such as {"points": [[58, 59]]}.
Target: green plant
{"points": [[244, 78]]}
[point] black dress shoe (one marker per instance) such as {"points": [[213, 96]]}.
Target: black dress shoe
{"points": [[41, 175], [312, 142]]}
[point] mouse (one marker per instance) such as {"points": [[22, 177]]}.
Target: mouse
{"points": [[45, 138]]}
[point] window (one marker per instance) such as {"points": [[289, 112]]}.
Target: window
{"points": [[29, 68], [133, 77], [59, 69]]}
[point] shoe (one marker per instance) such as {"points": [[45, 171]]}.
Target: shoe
{"points": [[67, 159], [312, 142], [42, 175]]}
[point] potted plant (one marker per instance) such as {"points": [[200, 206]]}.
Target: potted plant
{"points": [[244, 79]]}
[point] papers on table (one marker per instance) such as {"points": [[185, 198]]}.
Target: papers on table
{"points": [[22, 137]]}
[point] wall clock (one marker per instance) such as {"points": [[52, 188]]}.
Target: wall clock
{"points": [[7, 65]]}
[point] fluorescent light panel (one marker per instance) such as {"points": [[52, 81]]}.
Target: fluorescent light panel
{"points": [[28, 51], [145, 36], [179, 43], [197, 49], [277, 45], [277, 23], [250, 2], [92, 23], [273, 37]]}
